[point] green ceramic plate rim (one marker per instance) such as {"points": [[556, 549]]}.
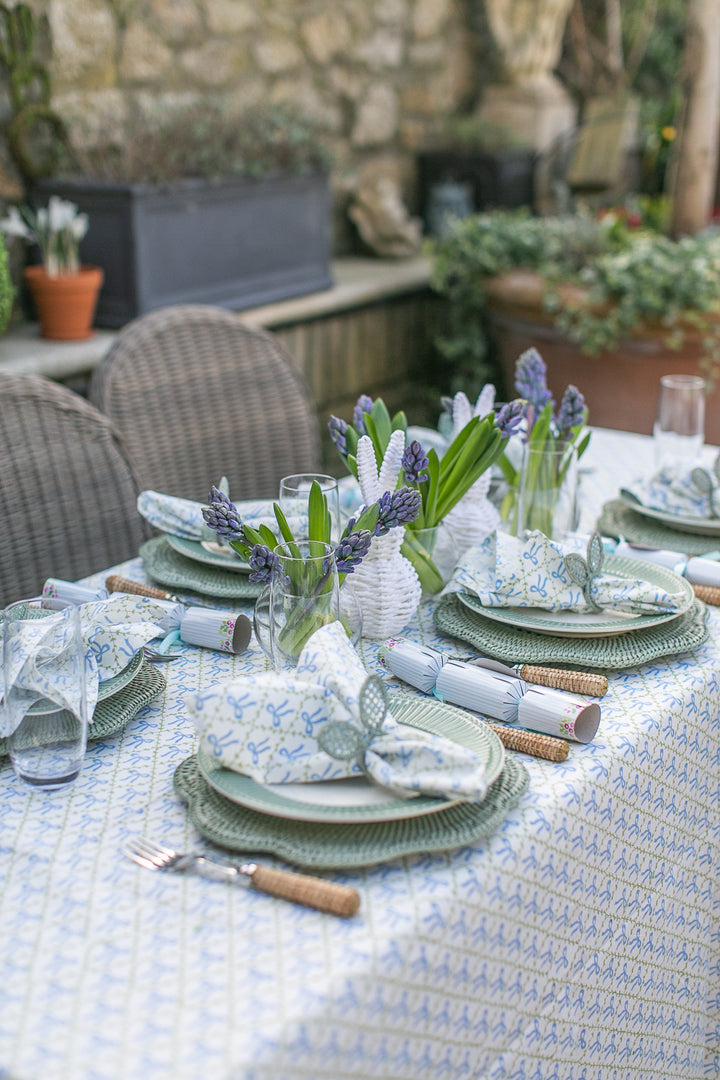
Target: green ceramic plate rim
{"points": [[414, 712], [699, 526], [535, 619], [108, 687], [193, 549]]}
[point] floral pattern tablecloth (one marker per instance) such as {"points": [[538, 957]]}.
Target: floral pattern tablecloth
{"points": [[581, 942]]}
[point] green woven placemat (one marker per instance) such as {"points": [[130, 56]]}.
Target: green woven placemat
{"points": [[114, 713], [514, 646], [335, 847], [168, 567], [617, 519]]}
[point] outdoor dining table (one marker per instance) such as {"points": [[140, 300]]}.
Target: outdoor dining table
{"points": [[580, 940]]}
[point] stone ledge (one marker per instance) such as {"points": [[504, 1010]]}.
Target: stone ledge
{"points": [[359, 282]]}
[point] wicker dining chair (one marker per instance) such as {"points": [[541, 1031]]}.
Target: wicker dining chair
{"points": [[196, 395], [67, 490]]}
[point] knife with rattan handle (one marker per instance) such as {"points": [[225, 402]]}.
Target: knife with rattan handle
{"points": [[577, 682], [313, 892], [114, 583], [530, 742], [709, 594]]}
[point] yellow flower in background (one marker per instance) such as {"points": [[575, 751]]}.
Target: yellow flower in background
{"points": [[668, 133]]}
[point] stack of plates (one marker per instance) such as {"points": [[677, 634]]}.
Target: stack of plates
{"points": [[352, 823], [201, 566], [605, 640], [121, 698], [640, 524]]}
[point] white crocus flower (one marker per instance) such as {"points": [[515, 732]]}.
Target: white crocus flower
{"points": [[13, 225]]}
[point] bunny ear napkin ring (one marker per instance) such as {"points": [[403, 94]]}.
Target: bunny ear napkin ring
{"points": [[583, 571], [707, 484], [343, 740]]}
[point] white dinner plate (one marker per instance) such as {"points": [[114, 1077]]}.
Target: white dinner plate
{"points": [[698, 525], [209, 552], [357, 800], [590, 623]]}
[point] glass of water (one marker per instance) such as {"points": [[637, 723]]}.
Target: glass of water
{"points": [[679, 431], [293, 500], [45, 693]]}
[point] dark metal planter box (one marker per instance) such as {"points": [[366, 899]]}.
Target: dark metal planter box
{"points": [[236, 242], [498, 178]]}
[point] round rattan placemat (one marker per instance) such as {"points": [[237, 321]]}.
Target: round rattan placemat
{"points": [[168, 567], [618, 520], [514, 646], [336, 847]]}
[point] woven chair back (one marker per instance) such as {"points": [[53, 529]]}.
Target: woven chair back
{"points": [[196, 395], [67, 490]]}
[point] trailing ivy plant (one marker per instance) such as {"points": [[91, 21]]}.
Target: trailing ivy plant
{"points": [[631, 280]]}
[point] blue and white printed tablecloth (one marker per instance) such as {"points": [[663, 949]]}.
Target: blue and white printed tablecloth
{"points": [[581, 942]]}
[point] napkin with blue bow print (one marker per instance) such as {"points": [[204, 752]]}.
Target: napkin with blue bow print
{"points": [[183, 517], [679, 490], [113, 630], [532, 571], [270, 727]]}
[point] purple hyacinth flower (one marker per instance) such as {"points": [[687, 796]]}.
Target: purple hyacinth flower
{"points": [[222, 516], [351, 551], [415, 463], [510, 417], [572, 410], [363, 405], [337, 429], [530, 379], [263, 563], [397, 508]]}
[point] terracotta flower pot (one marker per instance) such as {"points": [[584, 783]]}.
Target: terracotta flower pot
{"points": [[65, 304], [621, 387]]}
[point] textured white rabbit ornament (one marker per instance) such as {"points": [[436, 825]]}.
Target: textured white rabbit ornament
{"points": [[474, 517], [385, 582]]}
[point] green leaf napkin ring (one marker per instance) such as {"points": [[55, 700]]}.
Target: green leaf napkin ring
{"points": [[584, 571], [345, 741], [707, 484]]}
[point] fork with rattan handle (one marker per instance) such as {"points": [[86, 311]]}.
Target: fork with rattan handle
{"points": [[530, 742], [300, 888], [114, 583], [577, 682], [709, 594]]}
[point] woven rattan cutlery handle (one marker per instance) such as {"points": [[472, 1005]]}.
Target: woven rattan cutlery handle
{"points": [[311, 891], [577, 682], [707, 593], [120, 584], [529, 742]]}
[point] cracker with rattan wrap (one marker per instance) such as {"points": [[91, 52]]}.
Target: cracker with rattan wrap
{"points": [[196, 394], [530, 742], [68, 490]]}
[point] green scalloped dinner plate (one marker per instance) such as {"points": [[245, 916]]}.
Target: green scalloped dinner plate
{"points": [[590, 624], [357, 800], [699, 526], [203, 551]]}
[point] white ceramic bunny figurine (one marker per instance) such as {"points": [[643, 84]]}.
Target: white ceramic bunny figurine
{"points": [[385, 583], [474, 517]]}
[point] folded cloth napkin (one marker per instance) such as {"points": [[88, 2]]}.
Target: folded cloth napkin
{"points": [[268, 726], [531, 571], [183, 517], [113, 630], [674, 490]]}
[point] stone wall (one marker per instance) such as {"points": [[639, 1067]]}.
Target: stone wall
{"points": [[375, 74]]}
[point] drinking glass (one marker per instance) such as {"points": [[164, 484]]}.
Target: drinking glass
{"points": [[679, 430], [45, 697], [293, 500], [547, 499]]}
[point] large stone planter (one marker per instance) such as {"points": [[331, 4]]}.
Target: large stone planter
{"points": [[621, 388], [236, 242]]}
